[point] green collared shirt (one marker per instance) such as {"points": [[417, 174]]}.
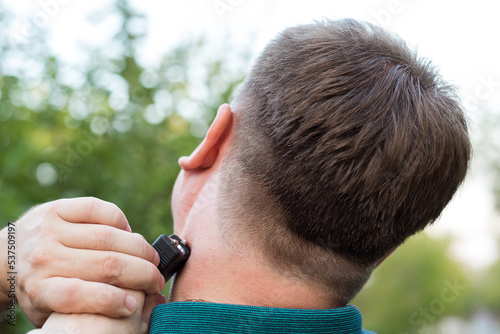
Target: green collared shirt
{"points": [[201, 317]]}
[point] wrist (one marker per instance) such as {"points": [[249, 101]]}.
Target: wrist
{"points": [[4, 289]]}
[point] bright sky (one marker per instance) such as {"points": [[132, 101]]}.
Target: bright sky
{"points": [[459, 36]]}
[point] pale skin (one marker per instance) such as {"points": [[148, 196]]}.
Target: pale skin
{"points": [[212, 273], [138, 322], [73, 256]]}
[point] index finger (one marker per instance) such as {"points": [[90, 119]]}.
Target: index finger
{"points": [[91, 210]]}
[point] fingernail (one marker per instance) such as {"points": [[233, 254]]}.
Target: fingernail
{"points": [[130, 303], [128, 228], [162, 283], [156, 259]]}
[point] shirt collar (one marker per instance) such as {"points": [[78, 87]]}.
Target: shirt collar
{"points": [[200, 317]]}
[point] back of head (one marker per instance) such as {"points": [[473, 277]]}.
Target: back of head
{"points": [[345, 144]]}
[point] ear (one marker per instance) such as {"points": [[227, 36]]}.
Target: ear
{"points": [[385, 256], [206, 153]]}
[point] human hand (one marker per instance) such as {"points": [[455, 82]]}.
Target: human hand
{"points": [[72, 255], [137, 323]]}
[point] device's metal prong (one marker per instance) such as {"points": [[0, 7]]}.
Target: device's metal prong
{"points": [[173, 253], [184, 242]]}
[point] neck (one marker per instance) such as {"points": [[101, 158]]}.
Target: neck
{"points": [[214, 273]]}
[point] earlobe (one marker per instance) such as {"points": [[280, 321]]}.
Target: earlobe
{"points": [[205, 155]]}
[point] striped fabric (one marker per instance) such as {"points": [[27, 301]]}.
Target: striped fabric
{"points": [[201, 317]]}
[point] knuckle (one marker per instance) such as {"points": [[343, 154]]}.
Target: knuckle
{"points": [[56, 203], [89, 205], [44, 216], [115, 207], [67, 296], [110, 268], [103, 239], [140, 236], [150, 275], [145, 249], [50, 209], [105, 299], [40, 257], [117, 216]]}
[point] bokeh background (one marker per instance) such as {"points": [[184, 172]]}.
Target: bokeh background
{"points": [[101, 98]]}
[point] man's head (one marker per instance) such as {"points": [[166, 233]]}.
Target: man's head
{"points": [[344, 144]]}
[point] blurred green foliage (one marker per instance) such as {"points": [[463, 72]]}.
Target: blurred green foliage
{"points": [[109, 128], [114, 129], [114, 132], [414, 288]]}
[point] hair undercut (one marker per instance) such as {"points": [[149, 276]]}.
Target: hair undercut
{"points": [[345, 144]]}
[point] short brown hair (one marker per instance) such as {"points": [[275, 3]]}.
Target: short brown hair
{"points": [[345, 144]]}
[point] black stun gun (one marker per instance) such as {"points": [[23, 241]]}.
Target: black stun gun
{"points": [[173, 252]]}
